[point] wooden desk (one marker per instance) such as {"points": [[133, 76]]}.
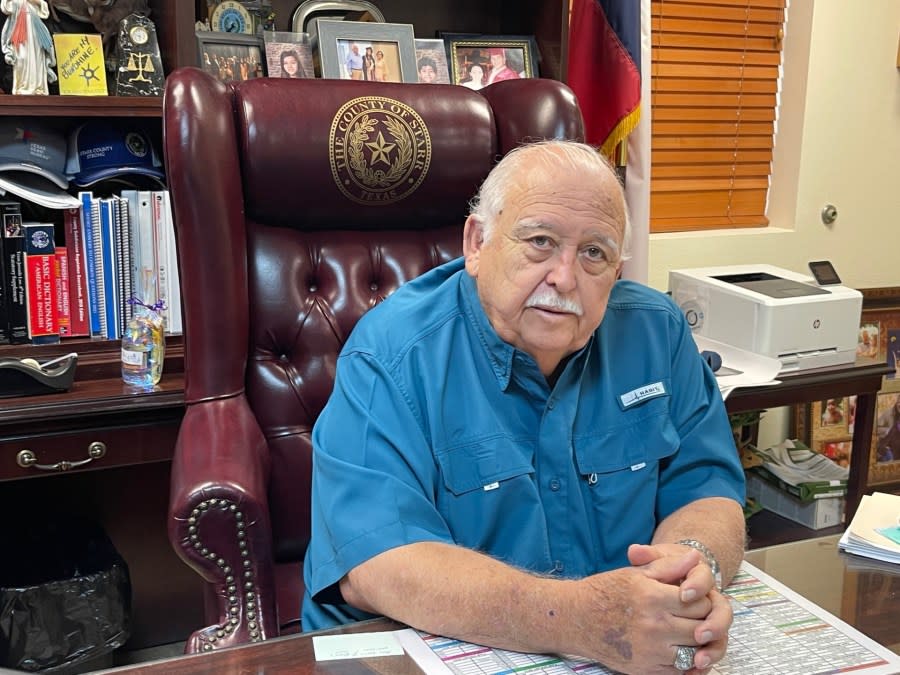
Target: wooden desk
{"points": [[867, 600], [862, 379]]}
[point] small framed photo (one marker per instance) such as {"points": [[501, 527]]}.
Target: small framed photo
{"points": [[827, 425], [479, 60], [361, 50], [431, 62], [231, 57], [288, 55], [884, 466]]}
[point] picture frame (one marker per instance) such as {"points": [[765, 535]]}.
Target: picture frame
{"points": [[496, 57], [339, 60], [431, 61], [878, 342], [288, 55], [231, 57]]}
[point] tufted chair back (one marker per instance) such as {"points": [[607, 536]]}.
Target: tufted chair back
{"points": [[299, 205]]}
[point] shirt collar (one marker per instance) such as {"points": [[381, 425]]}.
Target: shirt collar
{"points": [[499, 352], [502, 354]]}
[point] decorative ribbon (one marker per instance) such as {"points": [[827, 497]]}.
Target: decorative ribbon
{"points": [[157, 306]]}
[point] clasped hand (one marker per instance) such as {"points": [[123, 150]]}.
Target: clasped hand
{"points": [[666, 599]]}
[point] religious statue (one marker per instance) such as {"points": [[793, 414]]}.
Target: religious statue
{"points": [[27, 45]]}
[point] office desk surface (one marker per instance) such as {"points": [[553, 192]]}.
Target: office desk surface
{"points": [[864, 595]]}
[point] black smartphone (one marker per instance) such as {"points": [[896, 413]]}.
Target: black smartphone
{"points": [[824, 273]]}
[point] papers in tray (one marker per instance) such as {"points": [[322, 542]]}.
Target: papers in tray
{"points": [[740, 368], [867, 535], [814, 475]]}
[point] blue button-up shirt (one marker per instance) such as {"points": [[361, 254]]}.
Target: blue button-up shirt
{"points": [[438, 430]]}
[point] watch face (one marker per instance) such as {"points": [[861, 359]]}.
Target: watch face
{"points": [[139, 35], [231, 17]]}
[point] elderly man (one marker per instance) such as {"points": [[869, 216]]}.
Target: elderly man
{"points": [[355, 63], [522, 452]]}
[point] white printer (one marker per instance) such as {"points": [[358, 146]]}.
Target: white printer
{"points": [[771, 311]]}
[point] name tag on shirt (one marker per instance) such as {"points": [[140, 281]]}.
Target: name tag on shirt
{"points": [[648, 391]]}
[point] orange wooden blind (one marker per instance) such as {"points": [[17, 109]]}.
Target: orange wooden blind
{"points": [[715, 74]]}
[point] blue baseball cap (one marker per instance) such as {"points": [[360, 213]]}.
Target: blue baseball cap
{"points": [[28, 145], [100, 149]]}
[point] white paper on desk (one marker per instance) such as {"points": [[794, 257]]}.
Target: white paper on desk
{"points": [[740, 368], [862, 537], [775, 630], [356, 646]]}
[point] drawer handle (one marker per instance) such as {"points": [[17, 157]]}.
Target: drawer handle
{"points": [[26, 459]]}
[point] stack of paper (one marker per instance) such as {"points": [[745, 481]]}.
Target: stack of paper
{"points": [[874, 531], [803, 473]]}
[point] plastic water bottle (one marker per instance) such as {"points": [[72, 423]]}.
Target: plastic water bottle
{"points": [[144, 346]]}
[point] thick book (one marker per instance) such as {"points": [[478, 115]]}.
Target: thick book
{"points": [[110, 272], [90, 229], [41, 291], [79, 319], [144, 249], [61, 273], [4, 296], [804, 491], [12, 243], [167, 281], [124, 267]]}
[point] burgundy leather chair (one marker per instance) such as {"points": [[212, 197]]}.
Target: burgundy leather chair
{"points": [[299, 205]]}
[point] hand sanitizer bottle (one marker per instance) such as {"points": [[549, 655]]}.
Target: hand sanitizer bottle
{"points": [[144, 345]]}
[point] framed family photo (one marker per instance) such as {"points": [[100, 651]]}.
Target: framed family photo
{"points": [[288, 55], [361, 50], [479, 60], [231, 57], [431, 62], [827, 426]]}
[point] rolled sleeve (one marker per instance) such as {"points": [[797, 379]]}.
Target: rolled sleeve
{"points": [[707, 463]]}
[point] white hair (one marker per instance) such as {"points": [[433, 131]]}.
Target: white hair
{"points": [[552, 155]]}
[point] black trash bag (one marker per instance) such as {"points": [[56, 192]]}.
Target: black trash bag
{"points": [[65, 595]]}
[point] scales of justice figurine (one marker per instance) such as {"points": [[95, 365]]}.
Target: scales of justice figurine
{"points": [[28, 46], [140, 69]]}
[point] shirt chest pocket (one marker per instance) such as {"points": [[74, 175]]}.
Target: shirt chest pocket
{"points": [[486, 490], [621, 465], [480, 465]]}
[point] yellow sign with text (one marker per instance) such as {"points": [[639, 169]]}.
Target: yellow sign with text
{"points": [[79, 64]]}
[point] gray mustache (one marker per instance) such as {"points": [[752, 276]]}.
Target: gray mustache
{"points": [[554, 301]]}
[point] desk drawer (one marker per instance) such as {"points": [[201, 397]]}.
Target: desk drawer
{"points": [[121, 446]]}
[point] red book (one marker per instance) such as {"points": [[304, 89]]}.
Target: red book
{"points": [[61, 272], [40, 283], [79, 318]]}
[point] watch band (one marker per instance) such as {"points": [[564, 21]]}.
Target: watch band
{"points": [[710, 559]]}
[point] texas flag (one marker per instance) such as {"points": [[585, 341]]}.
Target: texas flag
{"points": [[604, 69]]}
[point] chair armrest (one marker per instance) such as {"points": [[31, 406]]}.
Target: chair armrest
{"points": [[219, 519]]}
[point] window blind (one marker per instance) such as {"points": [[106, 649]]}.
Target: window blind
{"points": [[715, 76]]}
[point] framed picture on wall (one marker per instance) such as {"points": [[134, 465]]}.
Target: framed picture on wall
{"points": [[361, 50]]}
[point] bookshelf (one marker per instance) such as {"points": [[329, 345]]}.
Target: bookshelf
{"points": [[127, 489]]}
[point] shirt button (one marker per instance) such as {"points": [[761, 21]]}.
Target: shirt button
{"points": [[554, 484], [550, 404], [558, 567]]}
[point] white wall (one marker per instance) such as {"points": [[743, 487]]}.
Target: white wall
{"points": [[838, 142]]}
